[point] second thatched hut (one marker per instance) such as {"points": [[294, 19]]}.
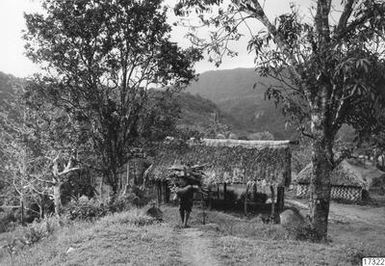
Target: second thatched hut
{"points": [[346, 183]]}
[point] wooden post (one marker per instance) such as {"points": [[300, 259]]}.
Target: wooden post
{"points": [[166, 192], [255, 191], [163, 189], [210, 199], [224, 191], [203, 209], [280, 199], [158, 189], [245, 202], [272, 202]]}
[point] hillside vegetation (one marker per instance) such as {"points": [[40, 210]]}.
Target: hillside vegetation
{"points": [[228, 94], [200, 114], [233, 91]]}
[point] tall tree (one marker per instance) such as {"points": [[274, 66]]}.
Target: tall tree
{"points": [[101, 57], [331, 73]]}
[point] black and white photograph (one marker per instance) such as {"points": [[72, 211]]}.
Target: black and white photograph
{"points": [[192, 132]]}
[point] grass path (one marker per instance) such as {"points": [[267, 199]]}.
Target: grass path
{"points": [[196, 248], [225, 240]]}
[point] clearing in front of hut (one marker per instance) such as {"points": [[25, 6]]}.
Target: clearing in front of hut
{"points": [[225, 239]]}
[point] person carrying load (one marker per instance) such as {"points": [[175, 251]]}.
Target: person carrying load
{"points": [[186, 180]]}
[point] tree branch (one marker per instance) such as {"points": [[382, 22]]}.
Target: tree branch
{"points": [[348, 9], [307, 134], [68, 170], [368, 14], [43, 180]]}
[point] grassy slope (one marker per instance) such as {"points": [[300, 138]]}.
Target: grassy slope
{"points": [[234, 241], [109, 241]]}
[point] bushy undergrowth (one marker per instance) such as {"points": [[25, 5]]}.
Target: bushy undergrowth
{"points": [[7, 220], [91, 209], [38, 230], [85, 209], [134, 216], [34, 232]]}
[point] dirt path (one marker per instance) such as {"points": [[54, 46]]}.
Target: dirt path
{"points": [[196, 248]]}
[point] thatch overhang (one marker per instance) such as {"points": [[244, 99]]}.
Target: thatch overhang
{"points": [[229, 161], [342, 175]]}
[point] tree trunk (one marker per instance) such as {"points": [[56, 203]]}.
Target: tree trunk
{"points": [[322, 160], [41, 211], [115, 188], [57, 197], [320, 191]]}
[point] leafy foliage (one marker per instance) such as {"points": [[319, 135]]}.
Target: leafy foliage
{"points": [[85, 209], [105, 55]]}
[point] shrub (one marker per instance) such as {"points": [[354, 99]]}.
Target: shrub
{"points": [[136, 217], [7, 220], [85, 209], [38, 230], [135, 196], [122, 203]]}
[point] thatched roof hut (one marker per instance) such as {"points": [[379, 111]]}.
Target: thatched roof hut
{"points": [[343, 175], [373, 177], [347, 183], [229, 161]]}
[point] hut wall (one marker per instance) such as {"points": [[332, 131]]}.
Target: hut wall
{"points": [[349, 193]]}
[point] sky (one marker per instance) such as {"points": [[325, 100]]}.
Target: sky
{"points": [[13, 60]]}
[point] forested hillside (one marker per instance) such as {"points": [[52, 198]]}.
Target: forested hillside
{"points": [[233, 91], [202, 114], [8, 83], [227, 94]]}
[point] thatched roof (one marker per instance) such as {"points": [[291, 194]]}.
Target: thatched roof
{"points": [[230, 161], [344, 175], [373, 177]]}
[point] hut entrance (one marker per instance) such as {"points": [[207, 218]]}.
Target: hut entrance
{"points": [[228, 162]]}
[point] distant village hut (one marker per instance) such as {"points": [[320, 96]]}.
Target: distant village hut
{"points": [[346, 183], [229, 161]]}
